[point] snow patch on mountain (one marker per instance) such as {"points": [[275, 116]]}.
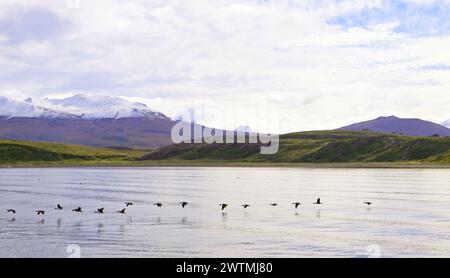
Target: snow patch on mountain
{"points": [[446, 123], [14, 108], [77, 106], [94, 107]]}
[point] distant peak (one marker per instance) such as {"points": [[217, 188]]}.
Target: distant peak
{"points": [[406, 126], [388, 117], [78, 96], [29, 100]]}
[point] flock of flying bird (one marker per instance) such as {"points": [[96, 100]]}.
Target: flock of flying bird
{"points": [[296, 204], [183, 204], [99, 210]]}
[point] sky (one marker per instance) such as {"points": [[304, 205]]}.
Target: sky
{"points": [[275, 66]]}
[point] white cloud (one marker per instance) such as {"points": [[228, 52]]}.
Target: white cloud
{"points": [[232, 57]]}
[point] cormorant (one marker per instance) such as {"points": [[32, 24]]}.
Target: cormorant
{"points": [[223, 206], [100, 210], [78, 209]]}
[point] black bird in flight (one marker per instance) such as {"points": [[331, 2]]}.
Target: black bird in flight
{"points": [[11, 210], [128, 204], [318, 202], [100, 210], [121, 211], [368, 203], [274, 204], [158, 204], [245, 206], [183, 204], [40, 212], [223, 206], [296, 204], [78, 209], [58, 206]]}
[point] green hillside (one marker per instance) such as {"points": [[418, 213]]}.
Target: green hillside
{"points": [[25, 152], [325, 148], [320, 147]]}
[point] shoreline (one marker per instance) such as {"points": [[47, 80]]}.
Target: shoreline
{"points": [[215, 164]]}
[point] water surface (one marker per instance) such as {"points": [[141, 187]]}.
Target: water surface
{"points": [[410, 216]]}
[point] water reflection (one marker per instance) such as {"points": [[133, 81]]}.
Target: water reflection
{"points": [[78, 225], [184, 220], [100, 226], [129, 220]]}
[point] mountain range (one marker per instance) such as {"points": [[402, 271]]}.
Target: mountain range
{"points": [[104, 121]]}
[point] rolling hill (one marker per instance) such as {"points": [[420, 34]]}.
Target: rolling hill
{"points": [[319, 147], [14, 152]]}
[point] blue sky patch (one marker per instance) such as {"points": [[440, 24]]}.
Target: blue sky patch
{"points": [[425, 19]]}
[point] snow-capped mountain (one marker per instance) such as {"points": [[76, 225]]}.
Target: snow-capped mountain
{"points": [[99, 121], [77, 106], [446, 123], [12, 108]]}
